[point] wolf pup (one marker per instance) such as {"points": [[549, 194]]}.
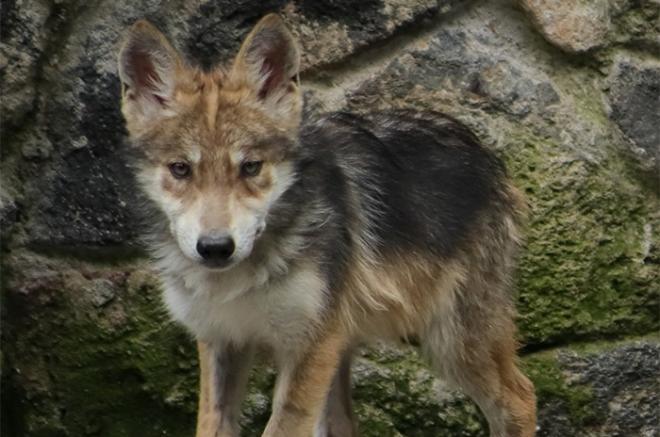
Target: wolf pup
{"points": [[309, 237]]}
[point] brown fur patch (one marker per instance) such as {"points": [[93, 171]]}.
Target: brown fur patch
{"points": [[395, 295]]}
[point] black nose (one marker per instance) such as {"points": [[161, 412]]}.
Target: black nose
{"points": [[216, 248]]}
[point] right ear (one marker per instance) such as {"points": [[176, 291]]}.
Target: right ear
{"points": [[148, 69]]}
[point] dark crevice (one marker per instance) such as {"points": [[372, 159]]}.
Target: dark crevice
{"points": [[103, 254], [580, 340]]}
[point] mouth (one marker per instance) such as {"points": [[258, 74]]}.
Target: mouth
{"points": [[218, 265]]}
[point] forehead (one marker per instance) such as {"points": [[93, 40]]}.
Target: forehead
{"points": [[222, 115], [215, 117]]}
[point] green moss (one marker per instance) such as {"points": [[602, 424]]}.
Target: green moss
{"points": [[551, 387], [121, 370], [636, 23], [584, 273], [600, 346], [375, 422], [395, 394]]}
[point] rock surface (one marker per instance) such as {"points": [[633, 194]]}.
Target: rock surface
{"points": [[634, 98], [87, 348], [572, 26], [577, 27]]}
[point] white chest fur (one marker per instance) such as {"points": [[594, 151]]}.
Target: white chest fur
{"points": [[245, 305]]}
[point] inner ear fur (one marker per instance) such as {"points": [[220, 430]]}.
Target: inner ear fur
{"points": [[148, 65], [269, 58]]}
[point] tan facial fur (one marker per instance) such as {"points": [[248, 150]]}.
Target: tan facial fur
{"points": [[213, 122]]}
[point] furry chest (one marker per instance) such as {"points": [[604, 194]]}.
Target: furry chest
{"points": [[241, 307]]}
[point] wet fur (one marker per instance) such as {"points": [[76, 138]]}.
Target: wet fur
{"points": [[384, 226]]}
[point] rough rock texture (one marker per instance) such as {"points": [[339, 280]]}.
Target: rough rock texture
{"points": [[577, 26], [87, 348], [574, 26], [634, 98], [600, 389]]}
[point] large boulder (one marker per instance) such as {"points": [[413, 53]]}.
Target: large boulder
{"points": [[572, 26], [584, 27]]}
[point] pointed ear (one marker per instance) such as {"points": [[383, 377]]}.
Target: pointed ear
{"points": [[148, 68], [269, 59]]}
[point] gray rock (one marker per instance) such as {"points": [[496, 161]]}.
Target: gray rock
{"points": [[86, 196], [634, 100], [331, 30], [9, 207], [395, 393], [466, 69], [101, 292], [8, 212], [616, 386], [625, 383], [328, 30], [554, 419], [24, 34]]}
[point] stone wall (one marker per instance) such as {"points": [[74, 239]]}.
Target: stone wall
{"points": [[567, 92]]}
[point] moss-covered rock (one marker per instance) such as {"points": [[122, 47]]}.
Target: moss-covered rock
{"points": [[598, 389], [386, 380], [89, 351], [590, 265]]}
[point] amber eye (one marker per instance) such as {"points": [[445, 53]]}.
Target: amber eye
{"points": [[180, 170], [251, 168]]}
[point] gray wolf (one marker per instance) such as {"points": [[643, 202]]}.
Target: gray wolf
{"points": [[308, 237]]}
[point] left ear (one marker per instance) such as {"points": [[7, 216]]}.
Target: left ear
{"points": [[150, 70], [269, 60]]}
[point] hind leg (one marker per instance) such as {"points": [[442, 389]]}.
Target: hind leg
{"points": [[503, 393], [481, 360], [337, 418]]}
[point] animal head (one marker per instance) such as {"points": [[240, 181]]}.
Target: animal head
{"points": [[215, 147]]}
